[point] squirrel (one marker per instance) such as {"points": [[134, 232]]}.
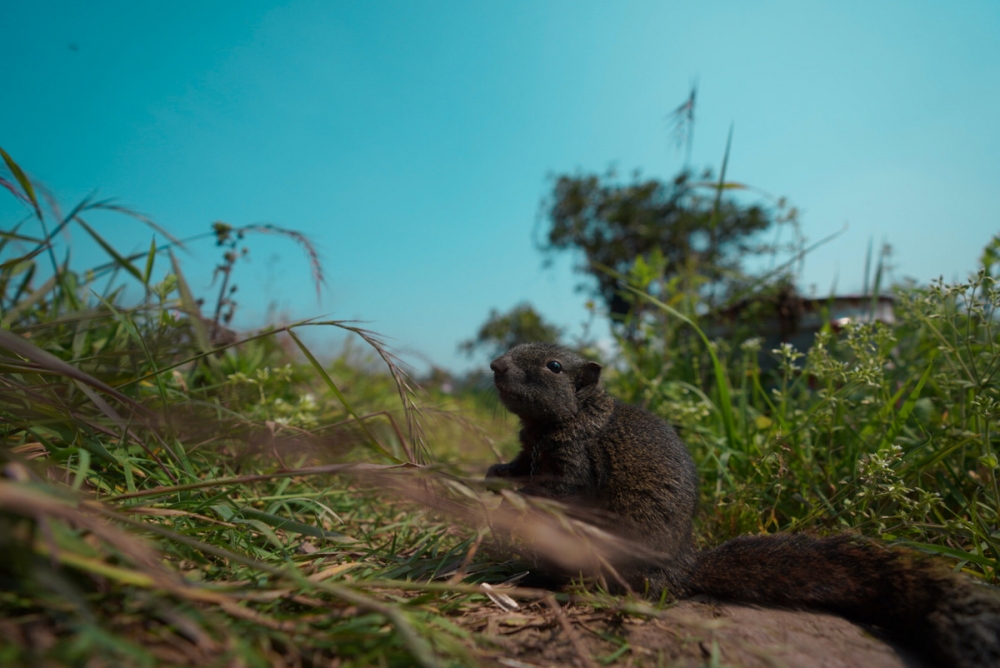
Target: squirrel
{"points": [[588, 450]]}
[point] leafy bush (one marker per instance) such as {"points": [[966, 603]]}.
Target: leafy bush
{"points": [[885, 430]]}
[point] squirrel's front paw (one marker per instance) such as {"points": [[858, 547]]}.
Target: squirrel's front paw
{"points": [[498, 471]]}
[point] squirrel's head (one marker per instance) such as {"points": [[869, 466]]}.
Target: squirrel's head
{"points": [[541, 381]]}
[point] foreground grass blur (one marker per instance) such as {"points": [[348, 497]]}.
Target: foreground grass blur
{"points": [[172, 493]]}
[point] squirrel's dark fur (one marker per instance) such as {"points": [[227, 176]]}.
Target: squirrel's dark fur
{"points": [[582, 447]]}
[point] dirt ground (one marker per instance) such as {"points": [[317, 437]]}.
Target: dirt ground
{"points": [[698, 632]]}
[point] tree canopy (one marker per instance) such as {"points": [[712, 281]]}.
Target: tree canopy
{"points": [[613, 223], [503, 331]]}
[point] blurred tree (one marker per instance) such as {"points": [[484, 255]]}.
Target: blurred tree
{"points": [[685, 226], [503, 331]]}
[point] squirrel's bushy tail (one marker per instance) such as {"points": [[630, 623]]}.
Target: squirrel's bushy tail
{"points": [[917, 601]]}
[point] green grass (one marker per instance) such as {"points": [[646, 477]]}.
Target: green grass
{"points": [[888, 431], [173, 494]]}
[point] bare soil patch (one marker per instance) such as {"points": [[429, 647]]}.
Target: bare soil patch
{"points": [[698, 632]]}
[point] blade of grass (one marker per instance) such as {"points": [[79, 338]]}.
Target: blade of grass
{"points": [[378, 447], [944, 550], [258, 477], [22, 260], [399, 376], [82, 470], [721, 378], [150, 259], [190, 306], [717, 205], [127, 433], [14, 236], [879, 268], [109, 249], [22, 305], [24, 348], [293, 526], [904, 412], [23, 180]]}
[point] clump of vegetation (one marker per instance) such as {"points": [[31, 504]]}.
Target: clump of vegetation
{"points": [[886, 430], [175, 493]]}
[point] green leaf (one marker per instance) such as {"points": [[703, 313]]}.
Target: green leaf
{"points": [[907, 408], [340, 396], [109, 249], [49, 362], [292, 526], [82, 470], [721, 379], [22, 179], [149, 261], [25, 304], [190, 306], [961, 555], [721, 185]]}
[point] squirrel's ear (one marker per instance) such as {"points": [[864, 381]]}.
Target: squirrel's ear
{"points": [[589, 375]]}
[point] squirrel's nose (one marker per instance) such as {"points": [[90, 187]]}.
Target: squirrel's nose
{"points": [[499, 366]]}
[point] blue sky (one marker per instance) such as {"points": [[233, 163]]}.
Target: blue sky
{"points": [[412, 141]]}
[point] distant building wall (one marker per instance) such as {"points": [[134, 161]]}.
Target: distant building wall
{"points": [[799, 322]]}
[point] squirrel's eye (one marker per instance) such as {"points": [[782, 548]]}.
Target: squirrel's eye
{"points": [[554, 367]]}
